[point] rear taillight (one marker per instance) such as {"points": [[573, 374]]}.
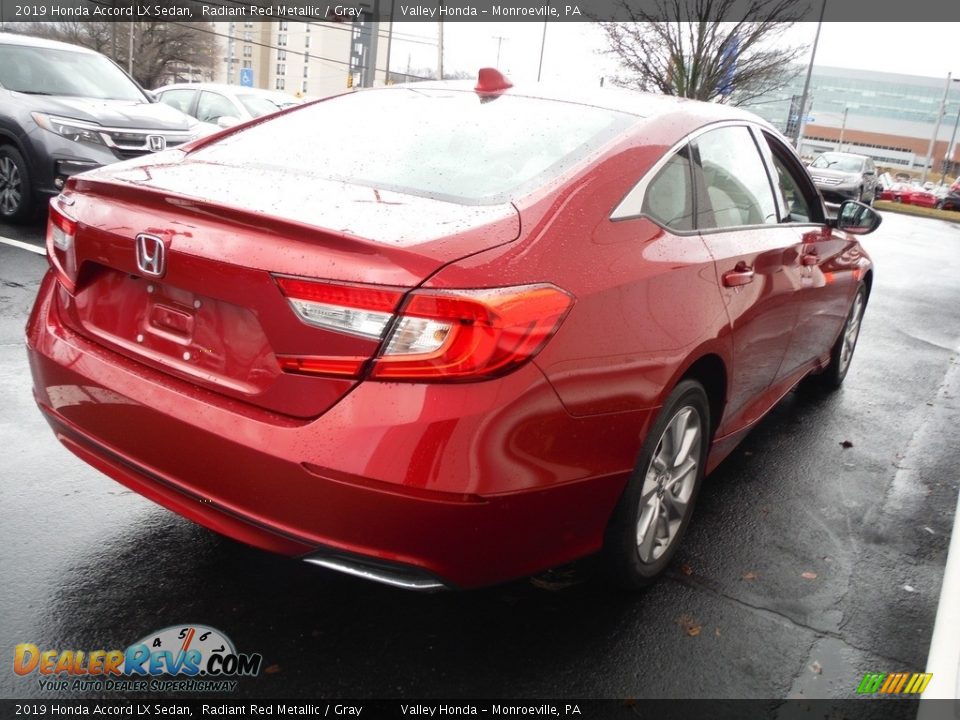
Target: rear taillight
{"points": [[470, 334], [434, 334], [61, 244], [363, 310]]}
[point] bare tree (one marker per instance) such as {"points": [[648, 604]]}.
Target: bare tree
{"points": [[697, 49], [162, 51]]}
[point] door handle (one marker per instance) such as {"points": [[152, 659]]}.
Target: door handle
{"points": [[809, 259], [740, 275]]}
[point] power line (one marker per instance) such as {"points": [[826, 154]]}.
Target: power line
{"points": [[306, 54], [332, 25]]}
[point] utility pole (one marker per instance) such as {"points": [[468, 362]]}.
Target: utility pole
{"points": [[500, 39], [843, 129], [130, 53], [951, 150], [936, 128], [440, 52], [801, 121], [543, 44], [386, 79]]}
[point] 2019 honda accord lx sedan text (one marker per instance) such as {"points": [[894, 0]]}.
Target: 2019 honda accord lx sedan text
{"points": [[461, 335]]}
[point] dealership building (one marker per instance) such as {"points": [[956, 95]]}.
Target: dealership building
{"points": [[889, 117]]}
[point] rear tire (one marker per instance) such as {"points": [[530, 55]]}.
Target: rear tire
{"points": [[653, 513], [16, 192], [842, 353]]}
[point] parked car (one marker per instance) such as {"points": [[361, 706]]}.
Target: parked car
{"points": [[897, 192], [910, 194], [923, 198], [454, 353], [844, 176], [65, 109], [950, 201], [223, 105]]}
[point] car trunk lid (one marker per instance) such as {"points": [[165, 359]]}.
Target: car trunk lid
{"points": [[216, 316]]}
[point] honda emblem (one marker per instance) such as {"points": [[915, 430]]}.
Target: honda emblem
{"points": [[156, 143], [151, 255]]}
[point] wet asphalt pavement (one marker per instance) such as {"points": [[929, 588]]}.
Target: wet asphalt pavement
{"points": [[807, 564]]}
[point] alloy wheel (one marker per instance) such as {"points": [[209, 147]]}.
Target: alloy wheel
{"points": [[10, 186], [668, 484]]}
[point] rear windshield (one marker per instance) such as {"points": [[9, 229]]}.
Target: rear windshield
{"points": [[444, 144], [52, 71]]}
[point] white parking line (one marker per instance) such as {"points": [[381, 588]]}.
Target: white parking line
{"points": [[22, 245]]}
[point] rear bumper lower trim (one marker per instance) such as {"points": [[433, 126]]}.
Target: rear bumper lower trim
{"points": [[398, 576]]}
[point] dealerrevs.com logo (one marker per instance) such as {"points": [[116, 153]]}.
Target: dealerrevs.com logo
{"points": [[178, 658]]}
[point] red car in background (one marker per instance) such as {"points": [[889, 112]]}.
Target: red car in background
{"points": [[480, 332], [910, 195], [898, 192], [923, 198]]}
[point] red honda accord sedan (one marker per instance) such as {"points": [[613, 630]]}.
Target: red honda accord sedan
{"points": [[444, 335]]}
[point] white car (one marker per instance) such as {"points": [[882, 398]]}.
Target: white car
{"points": [[223, 105]]}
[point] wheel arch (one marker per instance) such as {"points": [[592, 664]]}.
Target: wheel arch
{"points": [[711, 372], [868, 281]]}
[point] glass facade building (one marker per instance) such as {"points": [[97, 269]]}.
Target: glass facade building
{"points": [[888, 116]]}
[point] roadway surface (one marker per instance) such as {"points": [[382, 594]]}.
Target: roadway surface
{"points": [[816, 552]]}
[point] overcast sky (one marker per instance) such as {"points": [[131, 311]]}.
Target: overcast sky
{"points": [[571, 49]]}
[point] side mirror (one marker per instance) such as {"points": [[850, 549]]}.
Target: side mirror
{"points": [[227, 121], [856, 218]]}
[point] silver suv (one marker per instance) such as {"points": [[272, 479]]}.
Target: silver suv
{"points": [[844, 176], [65, 109]]}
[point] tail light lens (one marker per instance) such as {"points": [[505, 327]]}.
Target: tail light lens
{"points": [[363, 310], [61, 240], [434, 335], [470, 334]]}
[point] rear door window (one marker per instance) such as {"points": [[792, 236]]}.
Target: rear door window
{"points": [[213, 106], [182, 100], [669, 196], [737, 185]]}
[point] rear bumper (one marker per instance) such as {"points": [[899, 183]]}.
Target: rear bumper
{"points": [[443, 484]]}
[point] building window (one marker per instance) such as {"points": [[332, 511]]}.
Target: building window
{"points": [[282, 40], [281, 55], [284, 25], [303, 86], [306, 71], [247, 51], [248, 24], [247, 64], [281, 69], [306, 41], [281, 84], [248, 37]]}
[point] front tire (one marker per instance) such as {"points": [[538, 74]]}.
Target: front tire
{"points": [[655, 508], [842, 352], [16, 194]]}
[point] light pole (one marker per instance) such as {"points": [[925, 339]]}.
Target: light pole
{"points": [[936, 129], [801, 121], [543, 45], [951, 150], [440, 50], [843, 129]]}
